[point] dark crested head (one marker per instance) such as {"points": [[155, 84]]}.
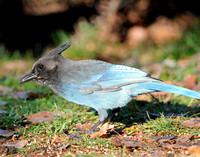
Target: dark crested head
{"points": [[45, 70]]}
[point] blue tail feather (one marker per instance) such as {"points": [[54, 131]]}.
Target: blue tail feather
{"points": [[158, 86]]}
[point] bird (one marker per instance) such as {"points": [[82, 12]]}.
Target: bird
{"points": [[94, 83]]}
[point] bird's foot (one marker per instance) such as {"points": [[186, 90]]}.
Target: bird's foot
{"points": [[93, 128]]}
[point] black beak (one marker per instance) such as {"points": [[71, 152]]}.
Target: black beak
{"points": [[27, 77]]}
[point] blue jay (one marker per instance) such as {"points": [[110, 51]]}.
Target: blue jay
{"points": [[96, 83]]}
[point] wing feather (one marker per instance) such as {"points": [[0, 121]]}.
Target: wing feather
{"points": [[117, 77]]}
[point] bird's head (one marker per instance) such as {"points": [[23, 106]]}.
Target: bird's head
{"points": [[45, 70]]}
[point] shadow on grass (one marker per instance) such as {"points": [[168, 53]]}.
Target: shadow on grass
{"points": [[138, 112]]}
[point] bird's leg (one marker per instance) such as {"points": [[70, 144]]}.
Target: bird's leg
{"points": [[102, 119], [94, 127]]}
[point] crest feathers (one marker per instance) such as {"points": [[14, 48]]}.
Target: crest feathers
{"points": [[60, 49]]}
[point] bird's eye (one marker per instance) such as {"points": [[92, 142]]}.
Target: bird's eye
{"points": [[41, 66]]}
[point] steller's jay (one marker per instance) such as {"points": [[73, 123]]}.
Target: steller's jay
{"points": [[95, 83]]}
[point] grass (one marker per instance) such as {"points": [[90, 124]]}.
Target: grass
{"points": [[186, 46]]}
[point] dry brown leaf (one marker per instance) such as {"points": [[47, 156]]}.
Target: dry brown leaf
{"points": [[174, 146], [133, 143], [18, 145], [169, 142], [191, 123], [184, 138], [43, 116], [127, 142], [5, 133], [84, 127], [40, 117], [166, 139]]}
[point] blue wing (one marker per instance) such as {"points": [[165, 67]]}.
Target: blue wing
{"points": [[115, 78], [117, 72], [119, 76]]}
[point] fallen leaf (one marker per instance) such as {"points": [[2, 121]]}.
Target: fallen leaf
{"points": [[191, 123], [175, 146], [84, 127], [166, 139], [184, 138], [169, 142], [43, 116], [183, 142], [127, 142], [133, 144], [18, 145], [117, 142], [5, 133]]}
